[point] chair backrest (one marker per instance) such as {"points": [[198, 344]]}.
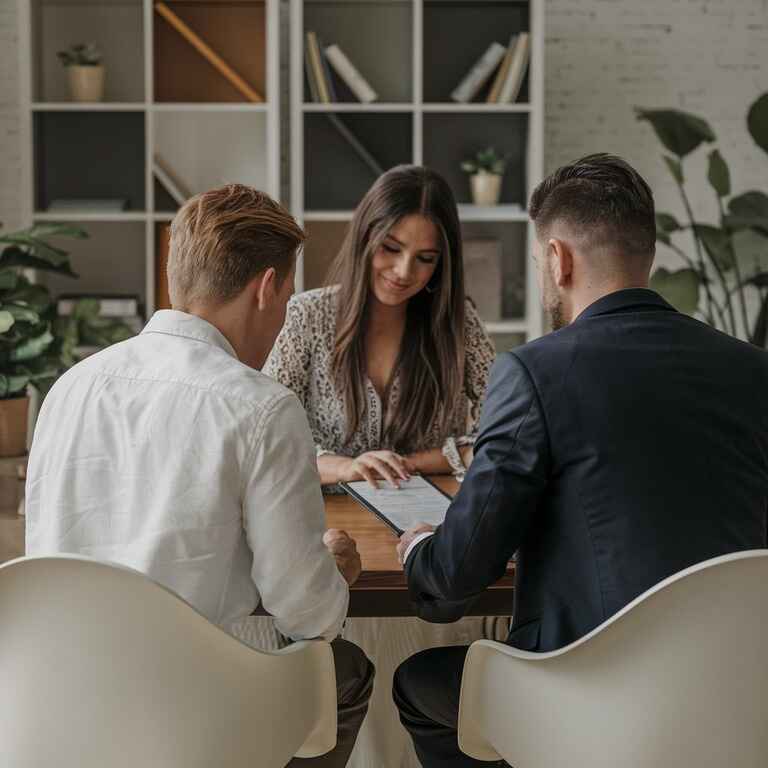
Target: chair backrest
{"points": [[677, 679], [100, 666]]}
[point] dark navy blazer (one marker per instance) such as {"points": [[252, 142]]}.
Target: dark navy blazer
{"points": [[612, 453]]}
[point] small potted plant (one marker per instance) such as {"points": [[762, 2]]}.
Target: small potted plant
{"points": [[486, 172], [36, 346], [85, 71]]}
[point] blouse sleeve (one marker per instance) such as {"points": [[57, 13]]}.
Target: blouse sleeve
{"points": [[290, 361], [479, 354]]}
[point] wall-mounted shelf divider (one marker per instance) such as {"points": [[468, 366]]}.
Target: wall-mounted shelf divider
{"points": [[191, 102], [431, 46]]}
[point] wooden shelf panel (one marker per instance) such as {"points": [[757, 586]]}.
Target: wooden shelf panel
{"points": [[235, 30], [324, 241]]}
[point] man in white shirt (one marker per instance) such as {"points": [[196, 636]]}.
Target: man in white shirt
{"points": [[171, 453]]}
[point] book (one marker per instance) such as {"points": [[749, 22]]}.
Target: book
{"points": [[483, 68], [501, 73], [316, 60], [90, 205], [327, 72], [517, 68], [483, 277], [314, 90], [350, 75], [121, 306]]}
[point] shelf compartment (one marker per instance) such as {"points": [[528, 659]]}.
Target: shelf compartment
{"points": [[451, 138], [504, 341], [359, 29], [324, 239], [89, 156], [117, 28], [207, 149], [505, 310], [456, 34], [336, 175], [235, 30], [111, 260]]}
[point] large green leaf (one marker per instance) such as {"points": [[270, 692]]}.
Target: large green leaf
{"points": [[718, 174], [9, 279], [6, 321], [759, 335], [680, 288], [717, 243], [759, 280], [46, 229], [20, 313], [666, 223], [11, 385], [680, 132], [757, 122], [675, 168], [33, 347], [16, 257], [30, 294], [750, 247], [749, 209]]}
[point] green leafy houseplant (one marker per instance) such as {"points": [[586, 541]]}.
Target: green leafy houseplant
{"points": [[36, 345], [486, 161], [81, 55], [729, 258]]}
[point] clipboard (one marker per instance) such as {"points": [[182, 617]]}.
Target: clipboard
{"points": [[362, 496]]}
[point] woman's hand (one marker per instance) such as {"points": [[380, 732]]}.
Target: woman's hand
{"points": [[377, 465]]}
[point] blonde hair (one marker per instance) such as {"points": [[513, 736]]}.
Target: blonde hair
{"points": [[222, 239]]}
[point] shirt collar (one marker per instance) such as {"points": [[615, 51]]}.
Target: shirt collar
{"points": [[637, 299], [175, 323]]}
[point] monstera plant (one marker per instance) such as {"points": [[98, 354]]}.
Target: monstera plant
{"points": [[724, 279], [36, 345]]}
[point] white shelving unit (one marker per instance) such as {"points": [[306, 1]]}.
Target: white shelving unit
{"points": [[146, 111], [415, 122]]}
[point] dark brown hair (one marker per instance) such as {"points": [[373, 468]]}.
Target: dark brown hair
{"points": [[222, 239], [432, 351], [602, 197]]}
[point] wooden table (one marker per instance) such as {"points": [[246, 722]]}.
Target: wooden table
{"points": [[381, 589]]}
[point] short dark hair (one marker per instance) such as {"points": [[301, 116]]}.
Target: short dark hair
{"points": [[604, 198]]}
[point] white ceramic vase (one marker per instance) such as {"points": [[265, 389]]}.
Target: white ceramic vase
{"points": [[486, 188], [86, 83]]}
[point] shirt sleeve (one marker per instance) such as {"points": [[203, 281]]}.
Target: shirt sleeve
{"points": [[491, 513], [284, 519]]}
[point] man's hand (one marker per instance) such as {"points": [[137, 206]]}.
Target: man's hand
{"points": [[344, 551], [408, 536]]}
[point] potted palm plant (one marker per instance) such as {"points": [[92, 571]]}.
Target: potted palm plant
{"points": [[724, 277], [36, 345], [84, 70], [485, 173]]}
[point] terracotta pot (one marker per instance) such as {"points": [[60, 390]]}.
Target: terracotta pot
{"points": [[13, 426], [86, 83], [486, 188]]}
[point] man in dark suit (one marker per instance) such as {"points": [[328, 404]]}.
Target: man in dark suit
{"points": [[627, 445]]}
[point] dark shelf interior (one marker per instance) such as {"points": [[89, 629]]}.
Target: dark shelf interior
{"points": [[335, 175], [89, 155], [451, 137], [457, 34]]}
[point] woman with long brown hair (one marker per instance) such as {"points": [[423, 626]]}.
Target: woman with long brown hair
{"points": [[391, 363]]}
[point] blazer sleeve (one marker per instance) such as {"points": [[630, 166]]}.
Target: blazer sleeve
{"points": [[489, 517]]}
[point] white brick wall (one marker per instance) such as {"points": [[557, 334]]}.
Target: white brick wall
{"points": [[603, 58]]}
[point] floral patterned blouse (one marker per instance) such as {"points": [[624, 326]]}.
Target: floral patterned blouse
{"points": [[301, 361]]}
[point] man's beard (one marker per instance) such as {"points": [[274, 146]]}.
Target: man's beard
{"points": [[557, 316]]}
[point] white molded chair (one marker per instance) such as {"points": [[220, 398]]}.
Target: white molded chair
{"points": [[677, 679], [102, 667]]}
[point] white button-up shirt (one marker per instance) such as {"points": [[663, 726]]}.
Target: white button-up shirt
{"points": [[167, 454]]}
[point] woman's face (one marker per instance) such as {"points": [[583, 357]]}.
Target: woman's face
{"points": [[406, 260]]}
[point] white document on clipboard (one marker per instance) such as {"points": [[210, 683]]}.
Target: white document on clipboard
{"points": [[416, 501]]}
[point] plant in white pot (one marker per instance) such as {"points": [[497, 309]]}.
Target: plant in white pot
{"points": [[485, 171], [36, 346], [85, 70]]}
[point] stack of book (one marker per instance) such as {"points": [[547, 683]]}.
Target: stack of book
{"points": [[507, 66], [319, 63]]}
